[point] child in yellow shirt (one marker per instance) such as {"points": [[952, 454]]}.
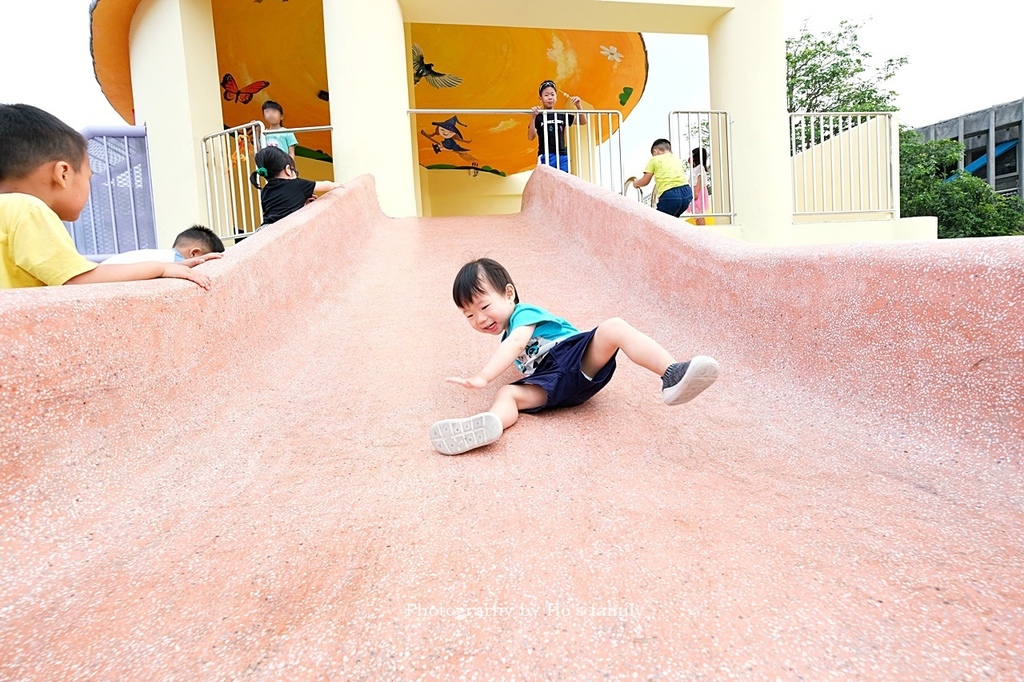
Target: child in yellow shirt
{"points": [[670, 181], [44, 179]]}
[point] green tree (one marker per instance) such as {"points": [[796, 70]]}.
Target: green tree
{"points": [[830, 72], [965, 206]]}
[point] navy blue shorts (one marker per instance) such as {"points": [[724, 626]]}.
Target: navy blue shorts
{"points": [[561, 161], [560, 374], [675, 201]]}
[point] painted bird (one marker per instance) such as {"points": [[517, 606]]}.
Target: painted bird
{"points": [[421, 70]]}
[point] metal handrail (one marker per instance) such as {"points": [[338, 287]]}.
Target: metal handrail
{"points": [[615, 170], [228, 190], [718, 148]]}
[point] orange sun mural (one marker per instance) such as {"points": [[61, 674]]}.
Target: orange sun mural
{"points": [[484, 67]]}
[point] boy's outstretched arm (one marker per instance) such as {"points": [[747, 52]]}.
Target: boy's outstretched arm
{"points": [[644, 180], [502, 359], [130, 272]]}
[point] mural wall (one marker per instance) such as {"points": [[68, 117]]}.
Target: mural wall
{"points": [[483, 67], [274, 49], [271, 49]]}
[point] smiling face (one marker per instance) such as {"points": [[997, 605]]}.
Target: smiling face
{"points": [[490, 311]]}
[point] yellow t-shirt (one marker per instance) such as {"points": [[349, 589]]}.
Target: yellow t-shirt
{"points": [[668, 172], [35, 247]]}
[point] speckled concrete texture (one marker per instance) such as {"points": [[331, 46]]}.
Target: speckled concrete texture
{"points": [[238, 484]]}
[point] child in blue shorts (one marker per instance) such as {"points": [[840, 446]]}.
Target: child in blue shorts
{"points": [[562, 366]]}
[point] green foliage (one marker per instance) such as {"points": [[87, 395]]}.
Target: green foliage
{"points": [[830, 72], [965, 206]]}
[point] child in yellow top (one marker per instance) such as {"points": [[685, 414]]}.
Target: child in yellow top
{"points": [[44, 179], [670, 181]]}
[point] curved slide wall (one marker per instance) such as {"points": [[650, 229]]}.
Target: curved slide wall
{"points": [[238, 483]]}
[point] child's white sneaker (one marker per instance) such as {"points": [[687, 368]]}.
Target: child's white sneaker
{"points": [[455, 436], [683, 381]]}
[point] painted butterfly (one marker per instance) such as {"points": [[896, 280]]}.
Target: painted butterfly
{"points": [[243, 95]]}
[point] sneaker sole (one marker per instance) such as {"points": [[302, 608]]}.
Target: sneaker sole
{"points": [[456, 436], [702, 372]]}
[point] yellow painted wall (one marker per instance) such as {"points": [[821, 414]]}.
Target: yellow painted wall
{"points": [[368, 78], [747, 60], [457, 193], [662, 16], [178, 106], [840, 232]]}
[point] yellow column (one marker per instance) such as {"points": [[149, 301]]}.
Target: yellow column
{"points": [[747, 59], [175, 87], [367, 75]]}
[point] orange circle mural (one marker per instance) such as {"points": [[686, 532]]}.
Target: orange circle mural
{"points": [[485, 67]]}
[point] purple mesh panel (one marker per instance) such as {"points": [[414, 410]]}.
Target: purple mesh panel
{"points": [[119, 215]]}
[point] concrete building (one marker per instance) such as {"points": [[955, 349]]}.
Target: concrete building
{"points": [[991, 140]]}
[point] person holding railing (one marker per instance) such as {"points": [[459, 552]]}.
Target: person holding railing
{"points": [[284, 192], [549, 128], [670, 181]]}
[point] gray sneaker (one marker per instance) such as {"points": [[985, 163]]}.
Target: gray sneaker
{"points": [[683, 381], [455, 436]]}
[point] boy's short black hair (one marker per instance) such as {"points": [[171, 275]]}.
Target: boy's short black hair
{"points": [[202, 235], [662, 145], [545, 85], [30, 137], [470, 282], [271, 104]]}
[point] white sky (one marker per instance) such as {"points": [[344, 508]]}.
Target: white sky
{"points": [[959, 61]]}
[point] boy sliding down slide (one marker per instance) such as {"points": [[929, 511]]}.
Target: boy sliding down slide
{"points": [[563, 367]]}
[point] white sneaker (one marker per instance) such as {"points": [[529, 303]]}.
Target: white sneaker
{"points": [[455, 436], [683, 381]]}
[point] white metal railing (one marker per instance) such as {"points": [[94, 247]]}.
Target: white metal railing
{"points": [[707, 137], [594, 150], [845, 163], [629, 188], [232, 202]]}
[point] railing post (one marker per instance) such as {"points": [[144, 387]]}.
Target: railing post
{"points": [[894, 165]]}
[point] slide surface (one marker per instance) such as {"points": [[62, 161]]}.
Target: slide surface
{"points": [[238, 483]]}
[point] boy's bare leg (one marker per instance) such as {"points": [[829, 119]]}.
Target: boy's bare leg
{"points": [[681, 382], [616, 333], [456, 436], [513, 398]]}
